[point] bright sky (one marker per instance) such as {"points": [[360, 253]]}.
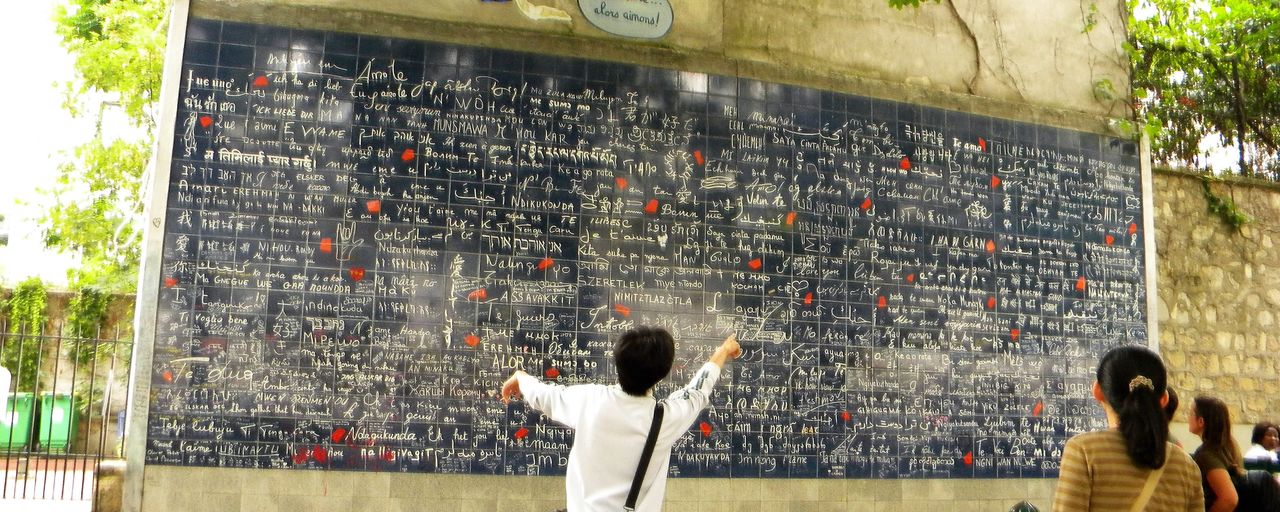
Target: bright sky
{"points": [[34, 135]]}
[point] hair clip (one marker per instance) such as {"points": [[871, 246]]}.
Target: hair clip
{"points": [[1141, 381]]}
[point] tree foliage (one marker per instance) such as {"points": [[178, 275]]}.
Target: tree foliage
{"points": [[95, 209], [1209, 70]]}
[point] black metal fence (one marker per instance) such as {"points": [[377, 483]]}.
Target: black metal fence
{"points": [[62, 413]]}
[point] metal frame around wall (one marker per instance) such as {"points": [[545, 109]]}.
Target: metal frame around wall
{"points": [[145, 309], [1149, 241], [150, 272]]}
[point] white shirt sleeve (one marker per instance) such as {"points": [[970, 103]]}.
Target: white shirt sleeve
{"points": [[562, 404], [684, 405]]}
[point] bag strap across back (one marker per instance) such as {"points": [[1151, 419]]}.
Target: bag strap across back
{"points": [[644, 458], [1152, 479]]}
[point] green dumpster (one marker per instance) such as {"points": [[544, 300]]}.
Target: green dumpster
{"points": [[15, 423], [57, 422]]}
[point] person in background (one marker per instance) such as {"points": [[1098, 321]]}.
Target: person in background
{"points": [[1111, 470], [611, 423], [1266, 438], [1171, 409], [1217, 454]]}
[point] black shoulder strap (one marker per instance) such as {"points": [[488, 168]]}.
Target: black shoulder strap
{"points": [[644, 457]]}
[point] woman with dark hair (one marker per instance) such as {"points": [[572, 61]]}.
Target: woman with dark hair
{"points": [[1266, 438], [1132, 465], [1217, 455]]}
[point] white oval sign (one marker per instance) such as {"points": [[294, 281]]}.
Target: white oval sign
{"points": [[644, 19]]}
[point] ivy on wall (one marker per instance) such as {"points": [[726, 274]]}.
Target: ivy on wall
{"points": [[899, 4], [1224, 207], [20, 348], [85, 315]]}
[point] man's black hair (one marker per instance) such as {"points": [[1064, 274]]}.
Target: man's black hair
{"points": [[643, 356]]}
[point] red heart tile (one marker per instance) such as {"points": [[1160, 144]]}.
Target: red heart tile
{"points": [[622, 310], [982, 143], [170, 282], [1133, 228], [991, 246], [321, 454], [1014, 333], [968, 458], [995, 181], [866, 204], [651, 207], [357, 273], [408, 155], [808, 298], [522, 433], [374, 206], [261, 81], [620, 183], [844, 415], [705, 428], [1111, 239], [904, 164], [471, 340], [326, 245], [791, 218], [338, 435], [755, 264], [552, 373], [205, 121], [881, 302], [1039, 408], [546, 263], [1080, 284], [697, 156]]}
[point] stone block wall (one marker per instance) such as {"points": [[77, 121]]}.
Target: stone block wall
{"points": [[1219, 294]]}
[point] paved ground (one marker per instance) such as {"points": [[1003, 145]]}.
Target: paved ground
{"points": [[45, 505], [60, 485]]}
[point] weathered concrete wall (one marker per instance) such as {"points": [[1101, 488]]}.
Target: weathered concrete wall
{"points": [[1033, 61], [1219, 294], [1029, 61]]}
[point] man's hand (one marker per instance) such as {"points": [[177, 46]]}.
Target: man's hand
{"points": [[511, 388], [731, 346], [729, 349]]}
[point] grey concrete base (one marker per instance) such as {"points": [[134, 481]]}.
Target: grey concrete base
{"points": [[108, 497], [235, 490]]}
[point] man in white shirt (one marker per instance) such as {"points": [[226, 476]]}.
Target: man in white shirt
{"points": [[611, 423]]}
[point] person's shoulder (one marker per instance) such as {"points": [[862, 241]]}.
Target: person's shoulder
{"points": [[1097, 437], [1208, 459], [1180, 457]]}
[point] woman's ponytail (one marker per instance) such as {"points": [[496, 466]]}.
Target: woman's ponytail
{"points": [[1132, 379], [1143, 425]]}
